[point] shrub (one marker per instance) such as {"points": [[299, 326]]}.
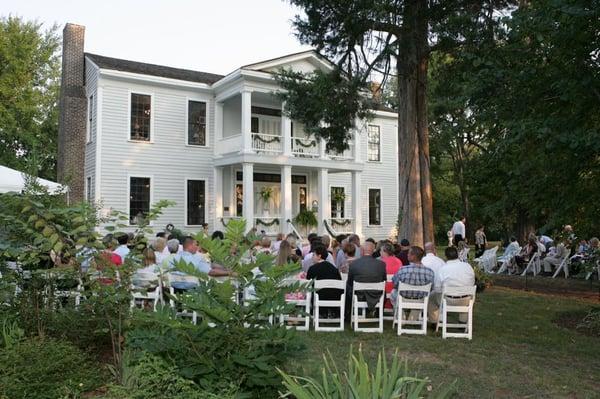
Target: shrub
{"points": [[47, 368], [358, 382], [591, 322]]}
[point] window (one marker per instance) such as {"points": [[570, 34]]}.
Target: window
{"points": [[374, 206], [338, 198], [88, 189], [196, 202], [139, 198], [239, 200], [90, 120], [254, 125], [374, 143], [196, 123], [140, 117]]}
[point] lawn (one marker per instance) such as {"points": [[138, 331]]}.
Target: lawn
{"points": [[516, 351]]}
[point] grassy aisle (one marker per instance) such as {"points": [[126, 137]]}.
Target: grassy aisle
{"points": [[516, 350]]}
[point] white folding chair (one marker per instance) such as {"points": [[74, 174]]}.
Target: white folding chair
{"points": [[170, 279], [145, 287], [419, 304], [359, 308], [302, 304], [388, 313], [64, 294], [564, 266], [533, 265], [453, 293], [336, 324], [487, 261]]}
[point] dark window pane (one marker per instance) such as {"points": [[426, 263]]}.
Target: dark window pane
{"points": [[140, 117], [139, 198], [196, 202], [374, 141], [196, 123], [374, 206], [254, 125], [266, 111], [298, 179]]}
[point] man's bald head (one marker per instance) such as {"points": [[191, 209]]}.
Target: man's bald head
{"points": [[429, 248], [368, 248]]}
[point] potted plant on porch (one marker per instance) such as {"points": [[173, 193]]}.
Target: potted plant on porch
{"points": [[306, 219], [265, 195], [338, 198]]}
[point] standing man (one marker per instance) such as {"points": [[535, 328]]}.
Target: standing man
{"points": [[459, 230], [435, 263]]}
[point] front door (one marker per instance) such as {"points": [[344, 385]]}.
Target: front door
{"points": [[299, 198]]}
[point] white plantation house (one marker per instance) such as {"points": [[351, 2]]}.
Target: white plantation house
{"points": [[219, 146]]}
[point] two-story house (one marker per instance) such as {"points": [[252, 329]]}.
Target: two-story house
{"points": [[219, 146]]}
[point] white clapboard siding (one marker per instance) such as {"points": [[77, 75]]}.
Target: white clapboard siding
{"points": [[168, 160], [91, 80]]}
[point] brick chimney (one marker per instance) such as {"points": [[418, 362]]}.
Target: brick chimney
{"points": [[73, 111]]}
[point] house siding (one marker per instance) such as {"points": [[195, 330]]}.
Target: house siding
{"points": [[167, 159], [91, 88]]}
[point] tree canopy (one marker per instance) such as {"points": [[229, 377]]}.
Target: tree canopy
{"points": [[29, 84]]}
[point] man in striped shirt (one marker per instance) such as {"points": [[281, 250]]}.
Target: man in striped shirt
{"points": [[414, 274]]}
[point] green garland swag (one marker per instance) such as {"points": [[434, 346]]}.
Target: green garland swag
{"points": [[266, 141], [301, 144], [268, 224], [346, 222]]}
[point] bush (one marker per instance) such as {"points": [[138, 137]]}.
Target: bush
{"points": [[150, 377], [591, 323], [358, 382], [46, 369]]}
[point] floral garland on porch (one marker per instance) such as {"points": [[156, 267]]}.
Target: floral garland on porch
{"points": [[266, 141], [267, 224], [346, 222], [299, 142]]}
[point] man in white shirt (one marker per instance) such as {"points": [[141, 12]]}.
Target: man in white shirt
{"points": [[435, 263], [459, 231], [122, 250], [456, 274]]}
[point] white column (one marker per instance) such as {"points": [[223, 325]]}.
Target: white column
{"points": [[218, 176], [246, 121], [286, 132], [286, 197], [357, 202], [218, 121], [248, 183], [323, 190], [322, 146], [356, 149]]}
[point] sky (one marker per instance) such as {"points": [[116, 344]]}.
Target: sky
{"points": [[215, 36]]}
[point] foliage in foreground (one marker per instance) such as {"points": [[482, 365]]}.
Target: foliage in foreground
{"points": [[46, 369], [358, 382]]}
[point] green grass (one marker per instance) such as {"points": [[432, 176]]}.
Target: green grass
{"points": [[516, 350]]}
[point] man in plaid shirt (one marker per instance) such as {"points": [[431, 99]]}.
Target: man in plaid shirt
{"points": [[414, 274]]}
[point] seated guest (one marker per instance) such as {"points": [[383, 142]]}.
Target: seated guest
{"points": [[173, 248], [547, 241], [324, 270], [342, 239], [159, 246], [455, 274], [122, 250], [277, 242], [140, 279], [392, 264], [292, 240], [308, 260], [190, 248], [527, 252], [403, 253], [435, 263], [365, 269], [349, 252], [308, 246], [463, 250], [511, 250], [414, 274], [284, 254], [552, 261], [217, 235]]}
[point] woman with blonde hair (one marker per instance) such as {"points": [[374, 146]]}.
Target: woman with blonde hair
{"points": [[285, 251], [159, 249]]}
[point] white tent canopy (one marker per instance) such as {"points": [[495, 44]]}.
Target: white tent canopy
{"points": [[13, 180]]}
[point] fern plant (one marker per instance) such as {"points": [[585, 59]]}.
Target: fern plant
{"points": [[358, 382]]}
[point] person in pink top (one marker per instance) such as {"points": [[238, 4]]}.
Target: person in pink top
{"points": [[392, 265]]}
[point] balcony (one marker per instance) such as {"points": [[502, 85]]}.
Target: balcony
{"points": [[305, 147], [267, 143], [342, 156]]}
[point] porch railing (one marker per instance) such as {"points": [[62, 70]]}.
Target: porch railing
{"points": [[341, 225], [267, 143], [271, 224], [346, 155], [305, 147]]}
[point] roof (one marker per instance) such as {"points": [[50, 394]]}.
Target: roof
{"points": [[153, 69]]}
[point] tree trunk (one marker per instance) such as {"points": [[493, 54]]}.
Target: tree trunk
{"points": [[415, 196], [524, 225]]}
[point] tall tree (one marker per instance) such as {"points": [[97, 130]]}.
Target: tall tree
{"points": [[29, 83], [373, 40]]}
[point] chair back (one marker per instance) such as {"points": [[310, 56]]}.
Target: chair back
{"points": [[389, 277], [338, 284], [414, 288], [460, 291], [368, 286]]}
